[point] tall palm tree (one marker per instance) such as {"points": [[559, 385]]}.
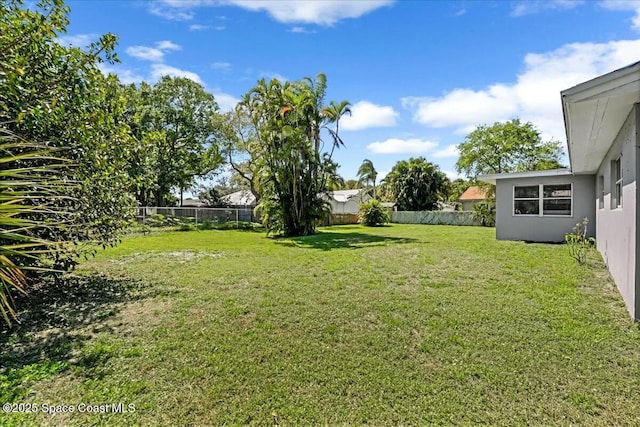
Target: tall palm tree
{"points": [[333, 113], [367, 173]]}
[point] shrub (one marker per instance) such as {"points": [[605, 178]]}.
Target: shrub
{"points": [[578, 242], [485, 213], [372, 213]]}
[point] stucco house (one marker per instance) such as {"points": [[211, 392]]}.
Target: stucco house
{"points": [[602, 121], [471, 196], [348, 201]]}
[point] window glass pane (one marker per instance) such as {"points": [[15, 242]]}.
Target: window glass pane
{"points": [[528, 192], [557, 190], [556, 207], [526, 207]]}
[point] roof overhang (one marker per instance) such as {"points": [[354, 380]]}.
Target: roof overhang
{"points": [[594, 112], [492, 178]]}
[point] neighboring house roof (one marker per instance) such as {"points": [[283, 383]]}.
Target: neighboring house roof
{"points": [[387, 204], [594, 112], [473, 194], [344, 196], [239, 198], [192, 203], [492, 178]]}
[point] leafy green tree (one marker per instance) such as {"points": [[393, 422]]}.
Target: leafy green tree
{"points": [[351, 184], [372, 213], [293, 170], [185, 133], [368, 174], [241, 149], [416, 184], [57, 96], [63, 184], [457, 187], [506, 147]]}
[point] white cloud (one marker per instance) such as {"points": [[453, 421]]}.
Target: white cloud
{"points": [[125, 75], [534, 96], [365, 114], [529, 7], [452, 175], [167, 45], [268, 75], [159, 70], [171, 12], [78, 40], [145, 53], [225, 101], [221, 66], [448, 151], [199, 27], [220, 27], [301, 30], [625, 5], [402, 146], [321, 12], [153, 54]]}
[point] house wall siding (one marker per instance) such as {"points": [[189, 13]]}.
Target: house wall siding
{"points": [[546, 228], [617, 228]]}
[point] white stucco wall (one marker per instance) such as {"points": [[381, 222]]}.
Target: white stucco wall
{"points": [[617, 228], [543, 228]]}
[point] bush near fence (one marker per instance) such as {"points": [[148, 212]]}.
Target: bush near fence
{"points": [[434, 218]]}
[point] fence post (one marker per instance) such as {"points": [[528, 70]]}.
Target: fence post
{"points": [[196, 217], [237, 210]]}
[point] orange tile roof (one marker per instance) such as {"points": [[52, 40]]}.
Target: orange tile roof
{"points": [[473, 193]]}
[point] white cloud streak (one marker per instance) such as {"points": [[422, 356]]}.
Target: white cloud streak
{"points": [[78, 40], [625, 5], [529, 7], [365, 114], [320, 12]]}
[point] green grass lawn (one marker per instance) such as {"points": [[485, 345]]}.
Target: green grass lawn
{"points": [[408, 324]]}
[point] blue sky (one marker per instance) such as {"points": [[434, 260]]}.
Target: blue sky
{"points": [[420, 74]]}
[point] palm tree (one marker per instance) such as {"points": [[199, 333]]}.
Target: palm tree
{"points": [[29, 186], [367, 173], [332, 113]]}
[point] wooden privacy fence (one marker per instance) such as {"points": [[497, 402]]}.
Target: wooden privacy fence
{"points": [[339, 219], [434, 218]]}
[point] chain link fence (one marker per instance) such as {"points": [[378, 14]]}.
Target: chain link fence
{"points": [[195, 215]]}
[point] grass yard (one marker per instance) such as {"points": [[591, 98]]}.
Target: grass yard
{"points": [[407, 324]]}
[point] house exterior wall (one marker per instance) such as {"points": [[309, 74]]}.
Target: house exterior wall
{"points": [[545, 228], [468, 205], [617, 227]]}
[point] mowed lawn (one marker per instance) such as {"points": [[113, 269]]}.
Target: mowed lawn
{"points": [[407, 324]]}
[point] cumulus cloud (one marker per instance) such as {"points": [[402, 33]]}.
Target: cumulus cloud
{"points": [[225, 101], [365, 114], [534, 96], [625, 5], [448, 151], [153, 54], [145, 53], [126, 76], [159, 70], [167, 45], [199, 27], [529, 7], [78, 40], [402, 146], [321, 12]]}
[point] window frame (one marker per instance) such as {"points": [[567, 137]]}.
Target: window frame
{"points": [[617, 183], [540, 200], [601, 192]]}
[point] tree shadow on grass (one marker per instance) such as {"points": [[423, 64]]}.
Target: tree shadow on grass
{"points": [[327, 241], [55, 319]]}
